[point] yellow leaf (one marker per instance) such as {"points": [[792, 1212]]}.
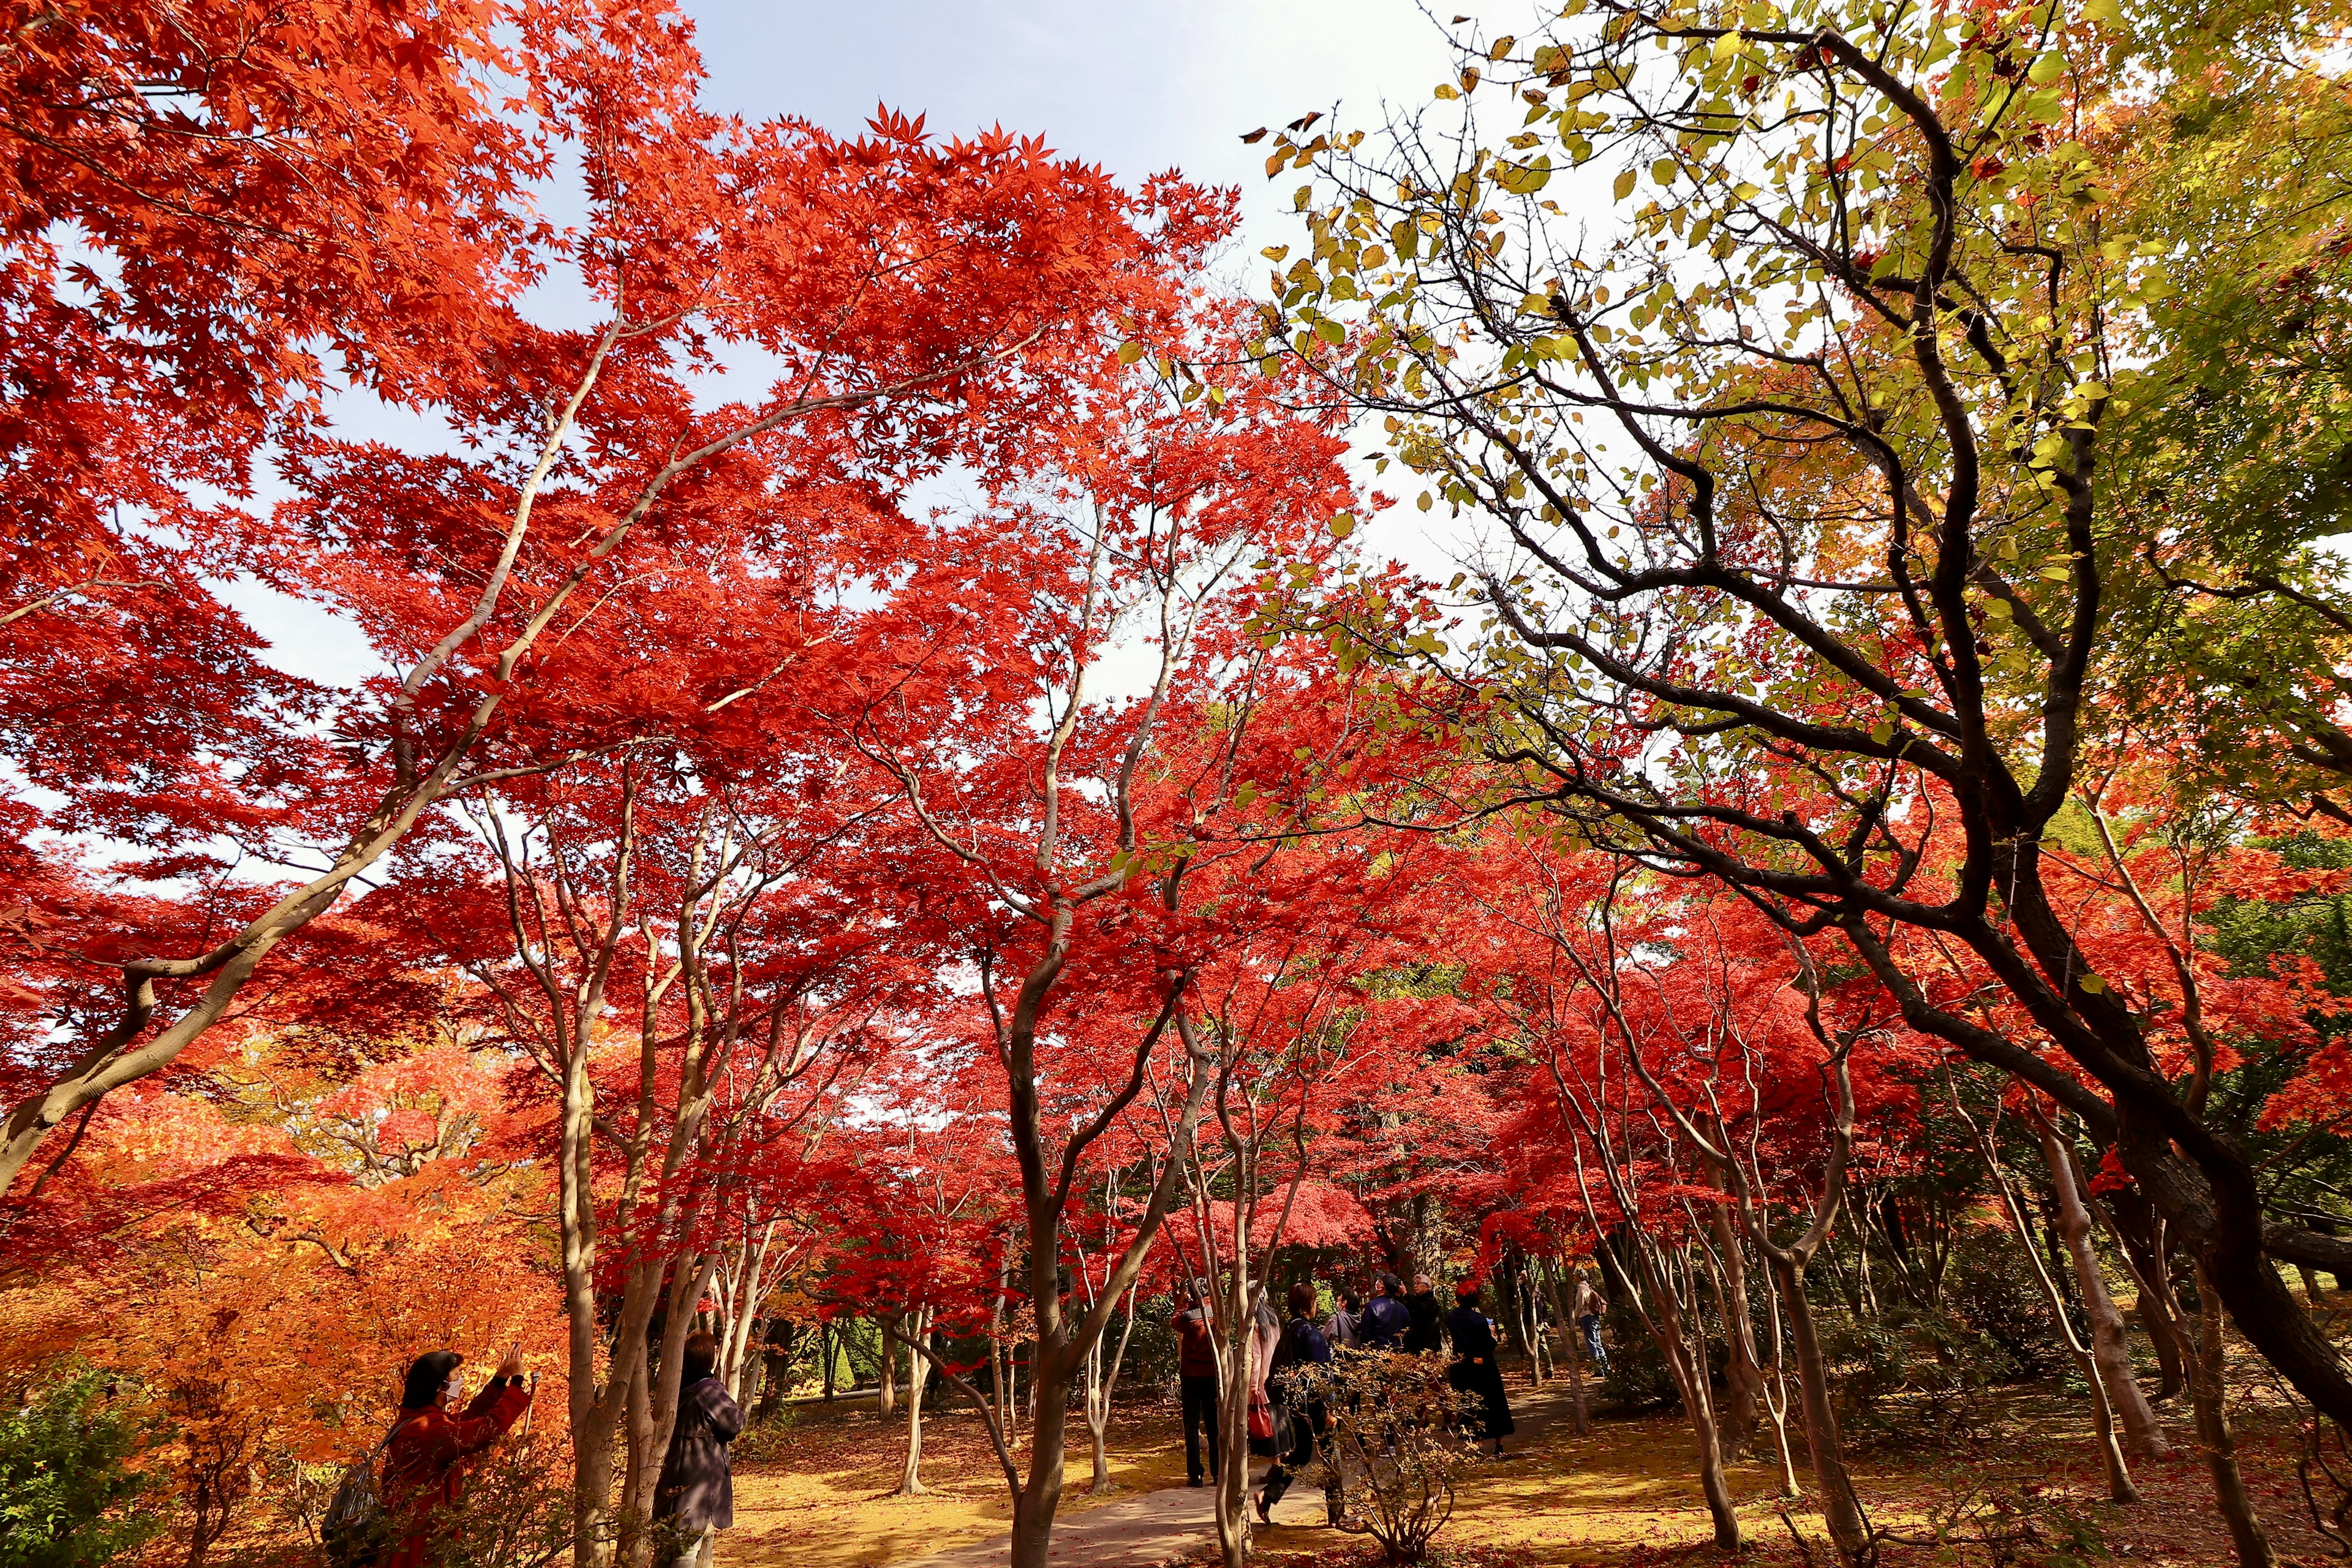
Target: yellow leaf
{"points": [[1130, 352], [1342, 524], [1625, 187], [1275, 252]]}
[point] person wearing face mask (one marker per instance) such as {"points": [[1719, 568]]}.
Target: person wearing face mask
{"points": [[424, 1461]]}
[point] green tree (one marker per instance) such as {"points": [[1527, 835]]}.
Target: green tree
{"points": [[69, 1496], [1810, 477]]}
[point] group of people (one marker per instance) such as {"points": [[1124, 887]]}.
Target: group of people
{"points": [[1393, 1319], [436, 1431]]}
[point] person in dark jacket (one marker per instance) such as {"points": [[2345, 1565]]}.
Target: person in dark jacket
{"points": [[1196, 1380], [1427, 1332], [696, 1494], [1302, 1345], [424, 1458], [1386, 1318], [1476, 1371]]}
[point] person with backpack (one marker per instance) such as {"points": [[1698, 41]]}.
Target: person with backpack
{"points": [[1589, 1304], [1386, 1318], [696, 1493], [1302, 1345], [425, 1457]]}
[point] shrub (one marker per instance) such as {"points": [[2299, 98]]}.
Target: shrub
{"points": [[68, 1497], [1396, 1436]]}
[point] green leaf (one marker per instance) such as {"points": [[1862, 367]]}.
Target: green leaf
{"points": [[2046, 69]]}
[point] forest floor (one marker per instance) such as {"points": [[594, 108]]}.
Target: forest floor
{"points": [[2019, 1483]]}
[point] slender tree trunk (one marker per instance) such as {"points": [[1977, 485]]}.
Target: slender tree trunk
{"points": [[910, 1479], [886, 1398], [2209, 1390], [2143, 1433], [1530, 1315], [1575, 1338], [1233, 1416], [2172, 1372], [1777, 1406], [1743, 1376], [1841, 1510], [1669, 1331]]}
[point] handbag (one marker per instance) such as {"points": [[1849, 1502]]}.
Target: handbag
{"points": [[356, 1530], [1261, 1424]]}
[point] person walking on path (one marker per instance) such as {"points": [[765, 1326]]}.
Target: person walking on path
{"points": [[1476, 1371], [696, 1493], [1386, 1318], [1266, 1338], [424, 1458], [1196, 1380], [1427, 1332], [1589, 1306], [1302, 1345]]}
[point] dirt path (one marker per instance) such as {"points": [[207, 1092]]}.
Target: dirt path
{"points": [[1146, 1529]]}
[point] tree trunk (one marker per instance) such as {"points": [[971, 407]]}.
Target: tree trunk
{"points": [[830, 1353], [1530, 1310], [1233, 1416], [2143, 1433], [910, 1479], [1668, 1329], [2210, 1389], [1840, 1510], [1743, 1375], [1777, 1409], [1575, 1338], [1040, 1497], [886, 1398], [2171, 1364]]}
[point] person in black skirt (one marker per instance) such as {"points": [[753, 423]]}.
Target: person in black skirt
{"points": [[1476, 1371]]}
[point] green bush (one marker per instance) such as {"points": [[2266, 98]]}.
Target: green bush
{"points": [[67, 1496]]}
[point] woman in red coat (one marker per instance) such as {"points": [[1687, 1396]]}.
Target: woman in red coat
{"points": [[425, 1462]]}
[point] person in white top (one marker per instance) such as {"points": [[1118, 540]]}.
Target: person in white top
{"points": [[1589, 1304]]}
